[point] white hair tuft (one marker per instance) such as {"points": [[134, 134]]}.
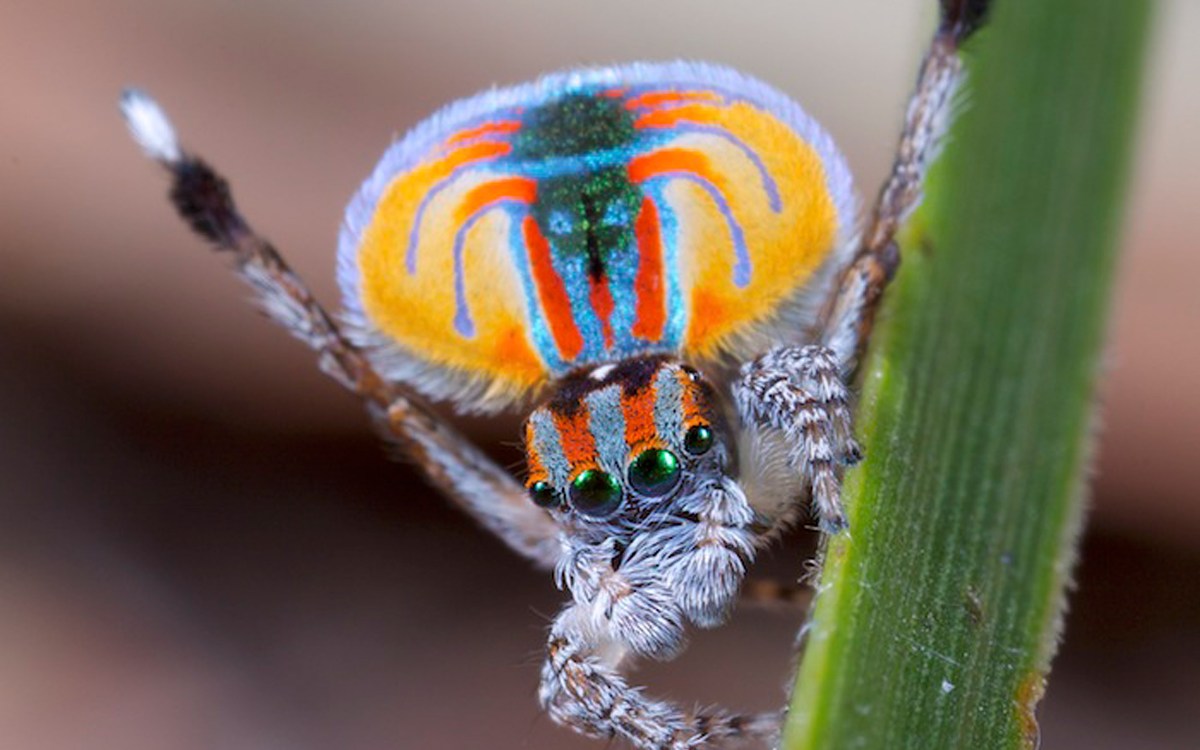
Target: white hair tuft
{"points": [[149, 126]]}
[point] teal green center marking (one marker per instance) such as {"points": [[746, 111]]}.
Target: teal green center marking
{"points": [[574, 125], [587, 211]]}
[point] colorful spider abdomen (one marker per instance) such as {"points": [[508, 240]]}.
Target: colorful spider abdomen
{"points": [[677, 209]]}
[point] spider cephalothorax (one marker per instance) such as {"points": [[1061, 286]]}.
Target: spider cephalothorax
{"points": [[584, 236], [636, 461]]}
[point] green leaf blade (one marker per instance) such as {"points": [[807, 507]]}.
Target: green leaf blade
{"points": [[937, 615]]}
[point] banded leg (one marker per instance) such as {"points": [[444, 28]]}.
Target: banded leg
{"points": [[450, 462], [631, 599], [795, 399], [850, 313], [582, 689], [811, 409]]}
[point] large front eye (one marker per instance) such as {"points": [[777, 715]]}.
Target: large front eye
{"points": [[595, 493], [654, 472]]}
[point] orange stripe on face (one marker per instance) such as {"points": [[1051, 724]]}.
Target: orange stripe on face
{"points": [[520, 189], [641, 431], [533, 460], [651, 309], [552, 294], [488, 128], [665, 118], [600, 296], [578, 444], [669, 97]]}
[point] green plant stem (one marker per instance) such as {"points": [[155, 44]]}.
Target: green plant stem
{"points": [[938, 613]]}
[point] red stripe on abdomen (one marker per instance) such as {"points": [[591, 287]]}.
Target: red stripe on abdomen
{"points": [[552, 294], [520, 189], [668, 160], [486, 129], [600, 296], [648, 286], [656, 98]]}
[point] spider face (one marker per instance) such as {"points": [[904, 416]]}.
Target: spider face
{"points": [[624, 446]]}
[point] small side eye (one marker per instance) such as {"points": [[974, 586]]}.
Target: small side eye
{"points": [[654, 472], [595, 493], [698, 440], [543, 494]]}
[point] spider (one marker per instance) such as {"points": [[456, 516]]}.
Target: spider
{"points": [[666, 260]]}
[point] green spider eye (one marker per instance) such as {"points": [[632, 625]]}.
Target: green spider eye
{"points": [[654, 472], [543, 494], [595, 493], [698, 440]]}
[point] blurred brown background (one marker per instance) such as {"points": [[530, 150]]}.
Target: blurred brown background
{"points": [[201, 545]]}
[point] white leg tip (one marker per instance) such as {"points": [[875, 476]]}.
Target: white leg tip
{"points": [[149, 126]]}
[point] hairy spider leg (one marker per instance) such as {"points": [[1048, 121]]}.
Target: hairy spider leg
{"points": [[450, 462], [797, 394], [850, 312]]}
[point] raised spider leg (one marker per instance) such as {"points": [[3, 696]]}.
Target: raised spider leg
{"points": [[801, 390], [450, 462], [850, 313]]}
